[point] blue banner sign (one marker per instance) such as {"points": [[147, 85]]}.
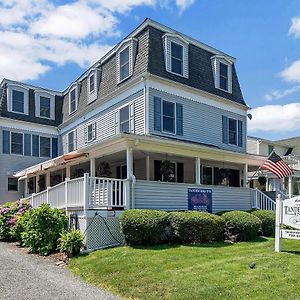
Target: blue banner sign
{"points": [[200, 199]]}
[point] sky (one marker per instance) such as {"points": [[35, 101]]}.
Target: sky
{"points": [[50, 43]]}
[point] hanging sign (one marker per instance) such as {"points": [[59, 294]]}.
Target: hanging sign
{"points": [[200, 199], [287, 213]]}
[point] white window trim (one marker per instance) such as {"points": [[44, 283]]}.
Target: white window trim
{"points": [[131, 119], [129, 63], [72, 88], [74, 140], [94, 132], [37, 95], [10, 132], [162, 118], [95, 82], [22, 89], [237, 132], [216, 60], [172, 38]]}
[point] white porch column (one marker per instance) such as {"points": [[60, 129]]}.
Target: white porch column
{"points": [[68, 171], [245, 175], [93, 167], [129, 162], [291, 192], [47, 175], [198, 170], [148, 167]]}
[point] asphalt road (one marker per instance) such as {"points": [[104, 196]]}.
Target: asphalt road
{"points": [[24, 276]]}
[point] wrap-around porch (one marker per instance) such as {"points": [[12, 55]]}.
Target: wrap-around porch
{"points": [[135, 172]]}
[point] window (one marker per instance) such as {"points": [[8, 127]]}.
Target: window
{"points": [[223, 77], [73, 100], [54, 147], [90, 132], [92, 83], [174, 174], [232, 131], [6, 141], [16, 143], [168, 116], [222, 71], [45, 107], [121, 172], [124, 119], [176, 58], [45, 146], [12, 184], [124, 63], [207, 175], [71, 141], [27, 144], [35, 145], [270, 149], [18, 101]]}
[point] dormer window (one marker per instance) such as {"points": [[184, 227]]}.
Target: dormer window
{"points": [[125, 59], [17, 99], [73, 100], [44, 105], [92, 86], [222, 70], [176, 54], [92, 83]]}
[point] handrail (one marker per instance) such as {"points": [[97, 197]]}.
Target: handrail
{"points": [[107, 178], [263, 201]]}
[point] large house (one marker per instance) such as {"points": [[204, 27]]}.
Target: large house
{"points": [[159, 115]]}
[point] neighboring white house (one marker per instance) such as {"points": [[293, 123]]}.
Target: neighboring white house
{"points": [[158, 100]]}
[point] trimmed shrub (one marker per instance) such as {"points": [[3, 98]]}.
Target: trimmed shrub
{"points": [[144, 227], [19, 228], [70, 243], [267, 218], [196, 227], [241, 226], [42, 229], [10, 214]]}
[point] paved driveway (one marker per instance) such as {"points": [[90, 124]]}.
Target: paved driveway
{"points": [[24, 276]]}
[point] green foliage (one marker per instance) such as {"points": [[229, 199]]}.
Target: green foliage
{"points": [[241, 226], [196, 227], [41, 230], [70, 243], [10, 213], [144, 227], [267, 218], [19, 228]]}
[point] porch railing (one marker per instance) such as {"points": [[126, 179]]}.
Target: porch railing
{"points": [[262, 201], [86, 192]]}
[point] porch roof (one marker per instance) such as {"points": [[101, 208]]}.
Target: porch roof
{"points": [[147, 143]]}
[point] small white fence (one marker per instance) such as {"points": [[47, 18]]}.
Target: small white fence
{"points": [[85, 192]]}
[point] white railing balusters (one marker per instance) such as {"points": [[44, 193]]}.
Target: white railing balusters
{"points": [[262, 201]]}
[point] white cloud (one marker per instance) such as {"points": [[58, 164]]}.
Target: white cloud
{"points": [[295, 27], [277, 94], [275, 118], [184, 4], [292, 72], [35, 34]]}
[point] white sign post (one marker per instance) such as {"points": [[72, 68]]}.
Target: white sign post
{"points": [[287, 213]]}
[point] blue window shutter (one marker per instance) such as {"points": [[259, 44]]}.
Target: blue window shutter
{"points": [[35, 145], [27, 144], [54, 147], [6, 141], [240, 133], [157, 113], [179, 119], [225, 129]]}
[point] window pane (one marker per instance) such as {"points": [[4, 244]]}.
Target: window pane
{"points": [[90, 132], [168, 124], [12, 184], [27, 144], [124, 56], [124, 114], [45, 146], [168, 109], [18, 101], [232, 131], [71, 141], [207, 177], [54, 147], [45, 107], [16, 143], [124, 72], [223, 83], [35, 145], [92, 83], [176, 66], [176, 51], [125, 127], [223, 70], [6, 141], [73, 100]]}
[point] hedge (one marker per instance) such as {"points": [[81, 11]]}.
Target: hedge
{"points": [[196, 227], [241, 226], [144, 227], [267, 218]]}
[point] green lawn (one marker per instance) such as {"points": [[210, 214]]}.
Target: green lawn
{"points": [[217, 271]]}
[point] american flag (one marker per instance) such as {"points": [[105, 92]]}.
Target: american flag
{"points": [[277, 166]]}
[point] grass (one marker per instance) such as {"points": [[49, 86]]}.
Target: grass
{"points": [[215, 271]]}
